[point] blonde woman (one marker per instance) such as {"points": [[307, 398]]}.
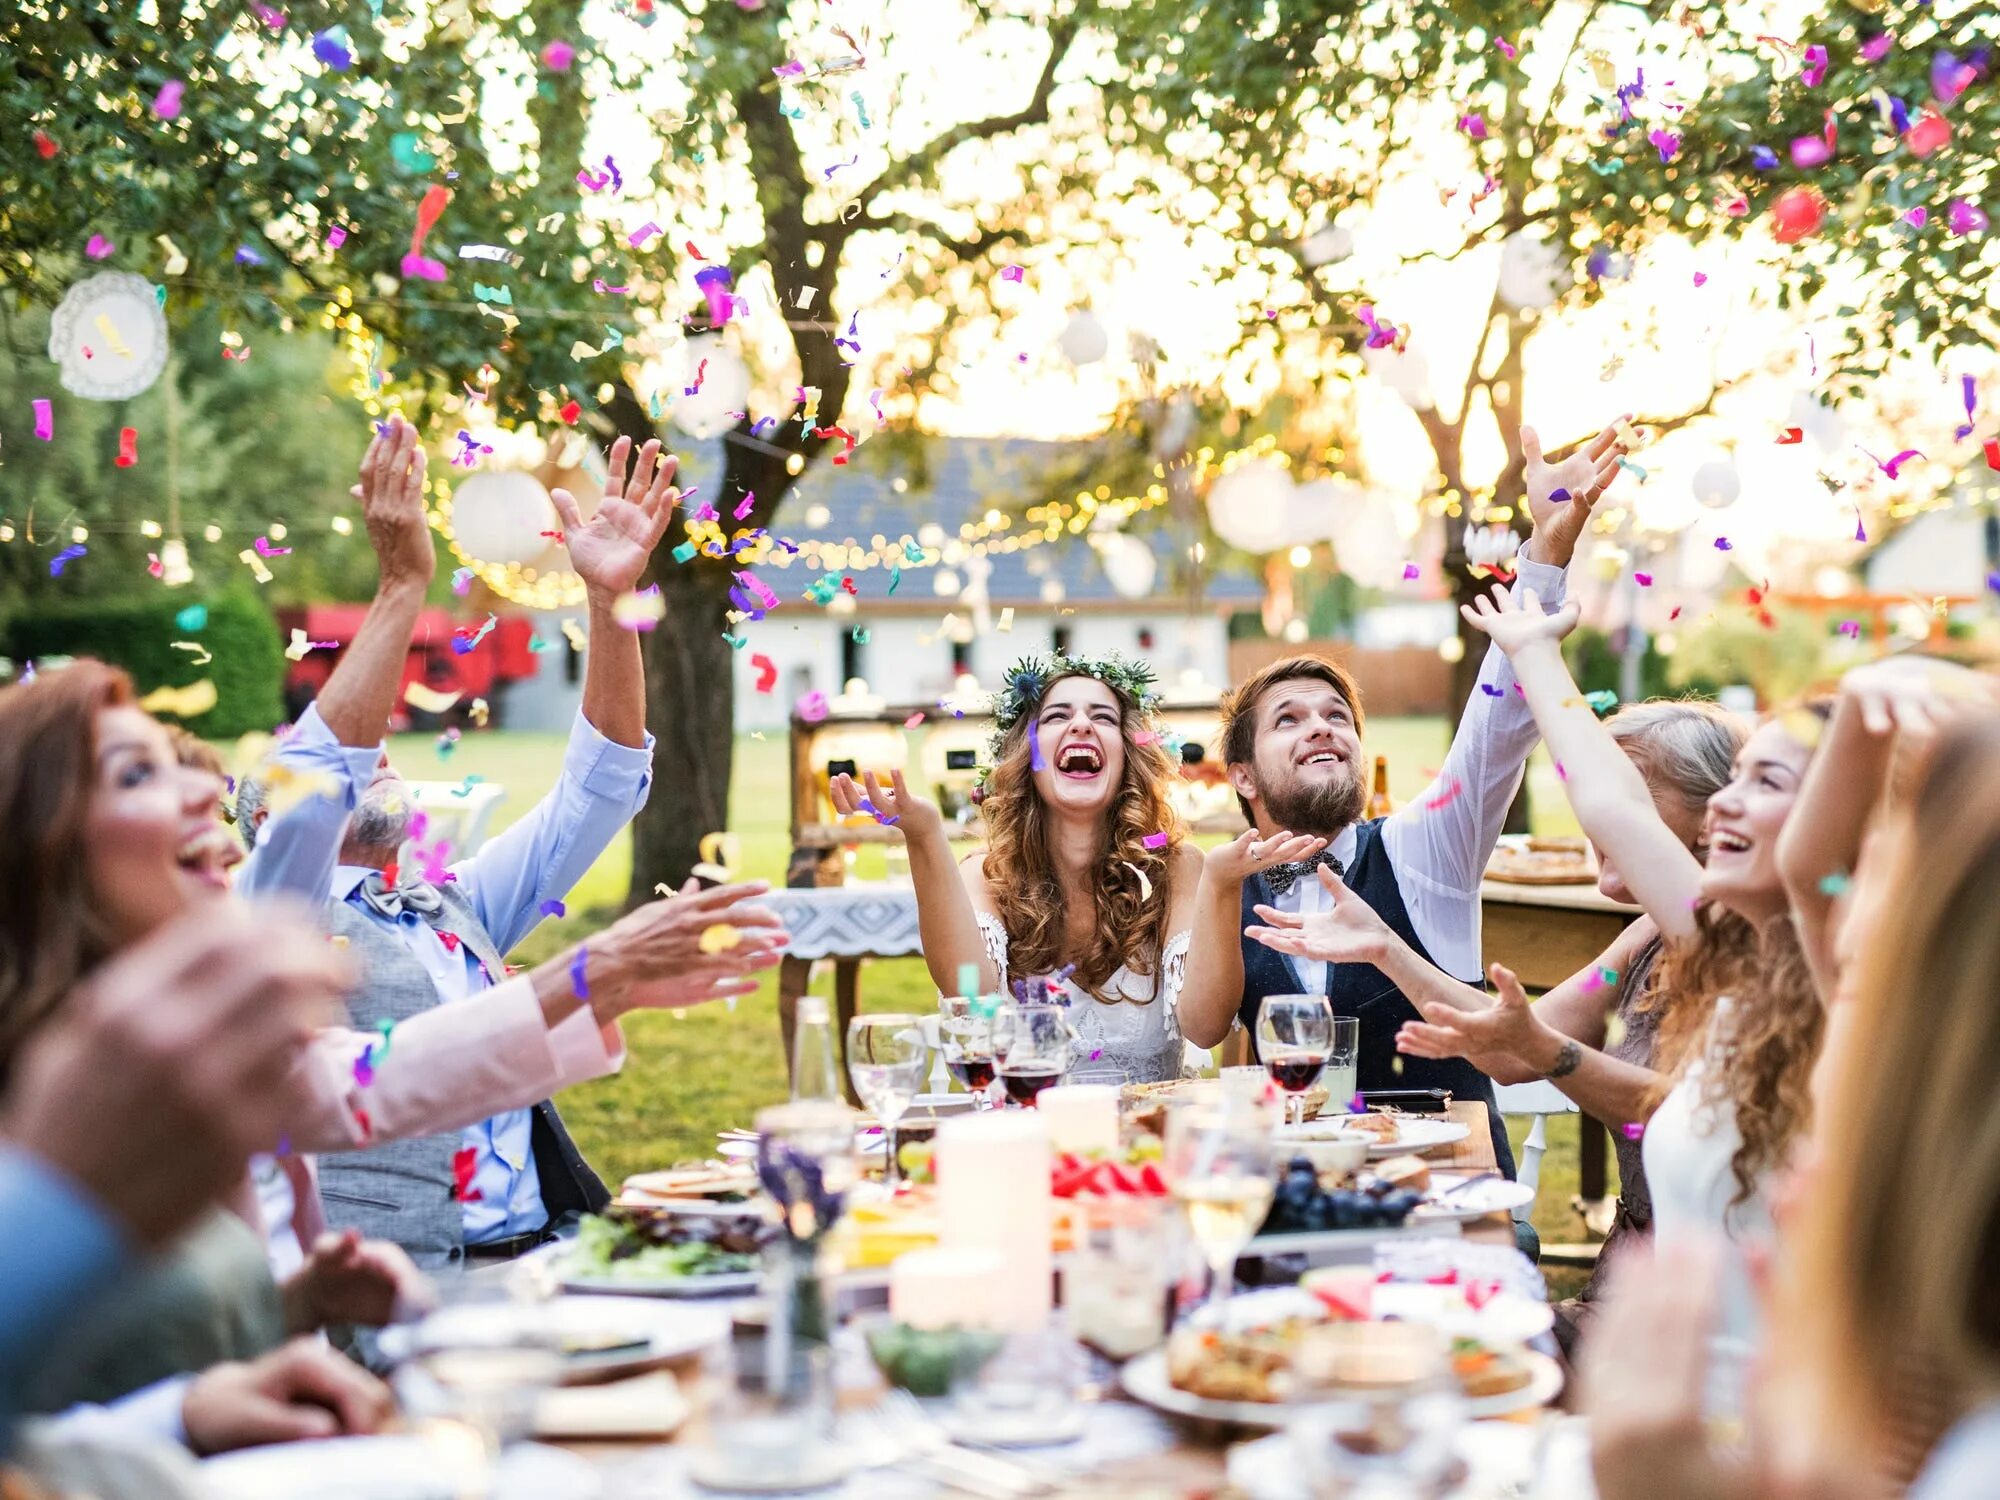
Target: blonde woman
{"points": [[1086, 870]]}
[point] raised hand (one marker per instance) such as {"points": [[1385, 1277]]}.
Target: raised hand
{"points": [[895, 803], [391, 493], [1250, 852], [1583, 477], [1913, 694], [655, 957], [1506, 1029], [610, 552], [1347, 932], [1517, 626]]}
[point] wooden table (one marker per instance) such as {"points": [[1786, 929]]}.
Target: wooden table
{"points": [[1545, 933]]}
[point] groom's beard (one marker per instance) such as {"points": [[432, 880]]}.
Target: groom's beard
{"points": [[1319, 811]]}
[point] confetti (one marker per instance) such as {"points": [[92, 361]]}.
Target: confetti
{"points": [[45, 420], [1644, 580], [1722, 544], [1790, 436], [333, 48], [1835, 883], [201, 657], [1632, 1130], [265, 549], [812, 708], [167, 102], [1491, 691], [1145, 885], [416, 265], [1156, 840], [557, 56], [189, 702], [641, 610], [553, 908], [1893, 467], [98, 247], [767, 672], [64, 558], [644, 232], [427, 699], [1445, 796], [128, 447], [1411, 570], [464, 1167], [719, 937]]}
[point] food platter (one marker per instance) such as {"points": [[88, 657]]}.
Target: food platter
{"points": [[1413, 1133], [1145, 1379]]}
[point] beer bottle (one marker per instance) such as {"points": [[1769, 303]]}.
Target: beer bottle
{"points": [[1379, 805]]}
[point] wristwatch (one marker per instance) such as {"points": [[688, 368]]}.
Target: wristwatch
{"points": [[1568, 1056]]}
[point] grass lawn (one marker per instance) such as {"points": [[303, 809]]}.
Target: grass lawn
{"points": [[690, 1074]]}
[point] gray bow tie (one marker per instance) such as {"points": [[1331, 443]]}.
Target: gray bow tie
{"points": [[417, 896], [1281, 878]]}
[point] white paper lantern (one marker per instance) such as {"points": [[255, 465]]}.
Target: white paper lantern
{"points": [[1407, 373], [725, 387], [1247, 506], [1716, 483], [1313, 512], [109, 335], [1129, 564], [1532, 274], [1326, 246], [1369, 547], [499, 516], [1084, 340]]}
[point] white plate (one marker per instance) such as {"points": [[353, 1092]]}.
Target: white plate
{"points": [[1495, 1195], [1504, 1318], [667, 1332], [1499, 1458], [394, 1468], [1145, 1379], [722, 1284], [1415, 1133]]}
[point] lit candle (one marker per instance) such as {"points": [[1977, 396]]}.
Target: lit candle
{"points": [[993, 1194], [1083, 1117], [947, 1288]]}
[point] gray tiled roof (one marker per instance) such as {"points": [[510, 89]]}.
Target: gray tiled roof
{"points": [[959, 480]]}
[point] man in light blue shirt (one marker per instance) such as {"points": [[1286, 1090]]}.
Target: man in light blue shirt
{"points": [[428, 931]]}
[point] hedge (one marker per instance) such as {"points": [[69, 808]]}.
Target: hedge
{"points": [[247, 662]]}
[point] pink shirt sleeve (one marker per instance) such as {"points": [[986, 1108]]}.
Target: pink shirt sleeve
{"points": [[445, 1069]]}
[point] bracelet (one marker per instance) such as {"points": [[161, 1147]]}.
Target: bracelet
{"points": [[1568, 1057]]}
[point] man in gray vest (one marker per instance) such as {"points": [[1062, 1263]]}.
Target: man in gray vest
{"points": [[425, 931], [1292, 743]]}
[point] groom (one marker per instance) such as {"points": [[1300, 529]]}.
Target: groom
{"points": [[1291, 740]]}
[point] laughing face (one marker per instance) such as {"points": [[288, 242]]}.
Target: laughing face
{"points": [[1080, 733], [1304, 773], [151, 833], [1745, 819]]}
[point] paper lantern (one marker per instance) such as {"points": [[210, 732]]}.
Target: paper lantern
{"points": [[1798, 212], [109, 335], [1717, 484], [720, 383], [1083, 339], [1369, 547], [1247, 506], [1325, 246], [500, 516], [1129, 564], [1406, 372], [1313, 511], [1532, 274]]}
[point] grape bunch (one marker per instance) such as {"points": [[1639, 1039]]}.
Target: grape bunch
{"points": [[1302, 1206]]}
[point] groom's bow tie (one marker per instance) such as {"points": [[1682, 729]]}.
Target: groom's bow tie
{"points": [[1281, 878], [418, 896]]}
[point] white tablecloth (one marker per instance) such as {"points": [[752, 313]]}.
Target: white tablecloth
{"points": [[858, 920]]}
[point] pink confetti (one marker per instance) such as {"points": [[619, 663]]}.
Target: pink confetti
{"points": [[602, 289], [1633, 1129], [128, 447], [265, 549], [1966, 217], [1446, 795], [557, 56], [1644, 580], [1155, 840], [1562, 772], [1011, 273], [1474, 126], [1809, 151], [167, 102], [336, 237], [1877, 47], [45, 420], [1507, 49], [98, 247], [914, 720], [1411, 570], [643, 233], [1851, 629], [812, 708]]}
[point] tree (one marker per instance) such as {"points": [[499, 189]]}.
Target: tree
{"points": [[1564, 124]]}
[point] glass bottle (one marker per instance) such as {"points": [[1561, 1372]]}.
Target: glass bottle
{"points": [[1379, 805], [814, 1075]]}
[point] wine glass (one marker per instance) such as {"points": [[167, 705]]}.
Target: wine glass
{"points": [[1218, 1163], [1294, 1040], [965, 1037], [886, 1058], [1032, 1044]]}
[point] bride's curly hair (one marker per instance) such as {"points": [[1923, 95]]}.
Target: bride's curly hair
{"points": [[1760, 1057], [1129, 887]]}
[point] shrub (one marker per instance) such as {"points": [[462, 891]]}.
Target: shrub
{"points": [[247, 662]]}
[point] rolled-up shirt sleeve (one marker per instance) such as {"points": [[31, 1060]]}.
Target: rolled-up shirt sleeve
{"points": [[602, 786], [297, 847]]}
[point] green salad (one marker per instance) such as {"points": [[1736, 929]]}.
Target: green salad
{"points": [[640, 1245]]}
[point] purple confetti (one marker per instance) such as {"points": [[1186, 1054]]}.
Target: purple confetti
{"points": [[1633, 1129], [1557, 497], [554, 909], [1971, 389], [1491, 691], [64, 558], [1877, 47], [364, 1067], [579, 979], [1036, 760], [1155, 840], [1011, 273], [1644, 580], [1722, 544], [1357, 1105], [1763, 158]]}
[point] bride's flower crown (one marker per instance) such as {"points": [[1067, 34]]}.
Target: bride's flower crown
{"points": [[1029, 678]]}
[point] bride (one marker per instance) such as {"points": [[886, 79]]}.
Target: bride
{"points": [[1086, 866]]}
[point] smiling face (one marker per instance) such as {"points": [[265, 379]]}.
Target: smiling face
{"points": [[151, 840], [1745, 819], [1304, 773], [1080, 732], [381, 819]]}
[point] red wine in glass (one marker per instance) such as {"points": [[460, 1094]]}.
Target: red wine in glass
{"points": [[1295, 1072], [974, 1074], [1024, 1083]]}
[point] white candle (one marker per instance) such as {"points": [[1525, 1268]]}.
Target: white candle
{"points": [[1082, 1117], [993, 1194], [947, 1288]]}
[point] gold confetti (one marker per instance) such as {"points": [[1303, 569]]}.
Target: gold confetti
{"points": [[202, 655], [337, 941], [722, 849], [189, 702], [428, 699], [1007, 619], [639, 611], [573, 633], [719, 938], [301, 644], [480, 711], [250, 559]]}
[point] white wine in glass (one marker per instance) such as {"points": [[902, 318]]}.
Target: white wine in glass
{"points": [[1218, 1163]]}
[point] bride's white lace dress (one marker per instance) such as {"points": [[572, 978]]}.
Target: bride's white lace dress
{"points": [[1133, 1039]]}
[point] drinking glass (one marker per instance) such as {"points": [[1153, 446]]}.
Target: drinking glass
{"points": [[471, 1374], [965, 1037], [1393, 1438], [1032, 1044], [1343, 1064], [886, 1058], [1294, 1040], [1218, 1163]]}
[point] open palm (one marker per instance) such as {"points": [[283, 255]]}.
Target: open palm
{"points": [[1346, 931], [1579, 480], [610, 552], [1514, 626]]}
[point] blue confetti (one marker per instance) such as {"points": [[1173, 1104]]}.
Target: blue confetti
{"points": [[64, 558]]}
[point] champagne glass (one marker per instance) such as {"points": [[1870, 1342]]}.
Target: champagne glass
{"points": [[1294, 1040], [1218, 1163], [1032, 1044], [887, 1057], [965, 1037]]}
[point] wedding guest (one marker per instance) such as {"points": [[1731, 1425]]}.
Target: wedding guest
{"points": [[134, 1104], [1887, 1262], [1740, 1021], [427, 931], [1292, 744], [1086, 867], [1593, 1035]]}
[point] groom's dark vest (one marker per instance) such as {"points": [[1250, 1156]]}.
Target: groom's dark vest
{"points": [[1364, 991], [404, 1191]]}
